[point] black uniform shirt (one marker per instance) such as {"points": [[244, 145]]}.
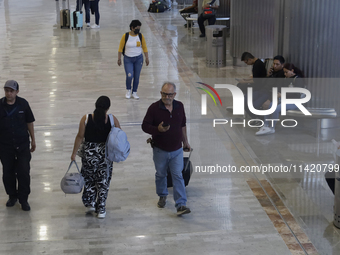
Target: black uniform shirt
{"points": [[13, 122]]}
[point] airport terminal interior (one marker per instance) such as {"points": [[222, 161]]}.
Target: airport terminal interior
{"points": [[61, 73]]}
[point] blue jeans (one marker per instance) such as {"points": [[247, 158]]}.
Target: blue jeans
{"points": [[133, 67], [173, 160], [276, 114]]}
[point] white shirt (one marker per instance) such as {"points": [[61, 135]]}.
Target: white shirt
{"points": [[133, 46]]}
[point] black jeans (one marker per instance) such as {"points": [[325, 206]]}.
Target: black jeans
{"points": [[94, 5], [16, 168], [201, 20]]}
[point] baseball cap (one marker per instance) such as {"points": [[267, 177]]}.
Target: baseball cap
{"points": [[12, 84]]}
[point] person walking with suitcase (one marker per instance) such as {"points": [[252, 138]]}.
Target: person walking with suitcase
{"points": [[16, 126], [165, 120], [96, 170], [132, 46]]}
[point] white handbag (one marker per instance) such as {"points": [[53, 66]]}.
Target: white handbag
{"points": [[72, 183]]}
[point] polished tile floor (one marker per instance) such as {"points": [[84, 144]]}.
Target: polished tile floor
{"points": [[62, 72]]}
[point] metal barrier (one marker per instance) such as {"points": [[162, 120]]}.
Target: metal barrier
{"points": [[216, 45], [336, 221]]}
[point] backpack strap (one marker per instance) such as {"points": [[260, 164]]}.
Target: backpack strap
{"points": [[140, 38], [126, 38], [112, 120], [87, 117]]}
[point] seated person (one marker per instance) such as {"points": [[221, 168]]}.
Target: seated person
{"points": [[258, 71], [193, 9], [263, 97], [292, 73], [214, 4]]}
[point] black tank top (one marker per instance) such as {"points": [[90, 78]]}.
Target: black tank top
{"points": [[94, 136]]}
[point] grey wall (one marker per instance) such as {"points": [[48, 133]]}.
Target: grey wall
{"points": [[312, 36], [305, 32], [252, 27], [224, 9]]}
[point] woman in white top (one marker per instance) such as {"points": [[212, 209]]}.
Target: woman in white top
{"points": [[132, 45]]}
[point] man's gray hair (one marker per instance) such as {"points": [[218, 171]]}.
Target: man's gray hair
{"points": [[170, 83]]}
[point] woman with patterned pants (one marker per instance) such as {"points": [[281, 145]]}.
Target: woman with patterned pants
{"points": [[96, 170]]}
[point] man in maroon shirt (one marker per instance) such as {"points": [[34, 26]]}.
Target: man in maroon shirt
{"points": [[165, 120]]}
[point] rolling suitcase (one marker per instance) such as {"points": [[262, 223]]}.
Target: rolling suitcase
{"points": [[65, 17], [187, 171], [77, 17]]}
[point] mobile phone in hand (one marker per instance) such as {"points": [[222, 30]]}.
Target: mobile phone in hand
{"points": [[165, 124]]}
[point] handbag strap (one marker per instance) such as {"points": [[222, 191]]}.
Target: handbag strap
{"points": [[72, 162], [112, 120], [212, 2], [87, 117]]}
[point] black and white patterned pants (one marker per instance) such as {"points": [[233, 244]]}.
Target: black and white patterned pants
{"points": [[97, 176]]}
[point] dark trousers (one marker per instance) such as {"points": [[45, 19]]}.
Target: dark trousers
{"points": [[201, 20], [259, 97], [86, 4], [330, 179], [94, 5], [16, 169]]}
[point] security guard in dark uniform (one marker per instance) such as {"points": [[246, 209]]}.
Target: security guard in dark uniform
{"points": [[16, 125]]}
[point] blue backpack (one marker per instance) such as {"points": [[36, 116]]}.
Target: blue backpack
{"points": [[117, 147]]}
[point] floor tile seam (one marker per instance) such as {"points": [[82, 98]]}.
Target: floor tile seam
{"points": [[297, 242], [286, 201]]}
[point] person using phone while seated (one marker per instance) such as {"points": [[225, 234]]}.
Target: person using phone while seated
{"points": [[165, 120]]}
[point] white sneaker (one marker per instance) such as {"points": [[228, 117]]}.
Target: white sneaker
{"points": [[101, 215], [89, 209], [128, 94], [95, 26], [88, 25], [265, 131], [135, 96]]}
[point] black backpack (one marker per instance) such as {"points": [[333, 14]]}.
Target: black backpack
{"points": [[157, 7], [127, 37]]}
